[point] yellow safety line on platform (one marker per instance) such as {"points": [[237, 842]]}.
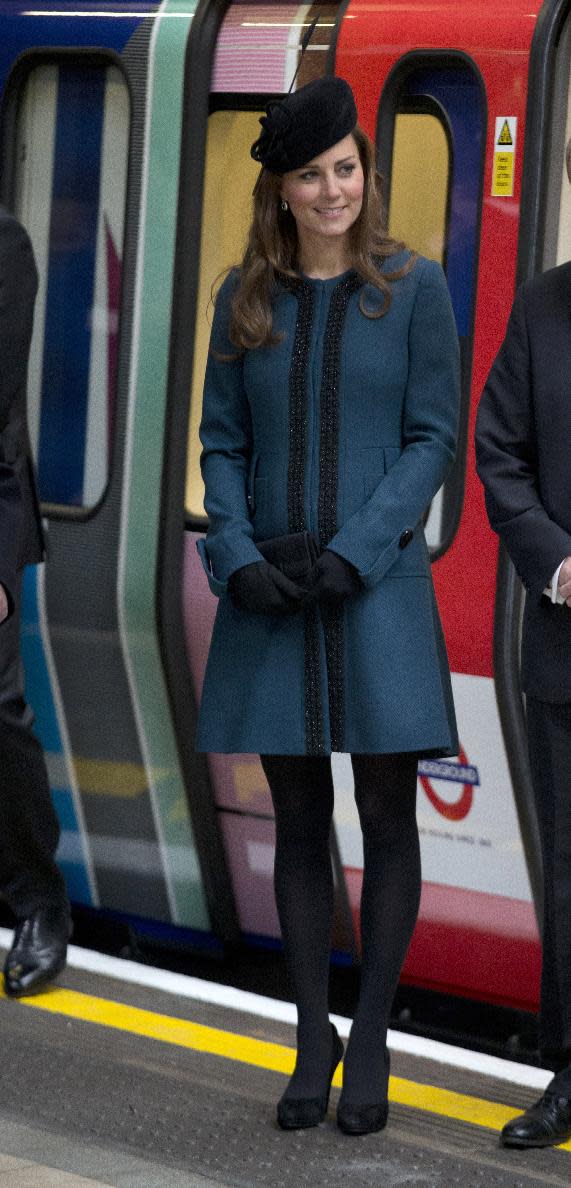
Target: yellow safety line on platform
{"points": [[275, 1057]]}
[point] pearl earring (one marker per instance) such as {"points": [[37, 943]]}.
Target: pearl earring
{"points": [[284, 205]]}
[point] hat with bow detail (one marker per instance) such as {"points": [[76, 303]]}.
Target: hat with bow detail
{"points": [[304, 124]]}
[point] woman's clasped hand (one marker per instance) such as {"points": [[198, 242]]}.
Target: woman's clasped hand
{"points": [[333, 579], [264, 589]]}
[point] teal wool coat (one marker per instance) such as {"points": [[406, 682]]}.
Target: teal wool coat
{"points": [[346, 428]]}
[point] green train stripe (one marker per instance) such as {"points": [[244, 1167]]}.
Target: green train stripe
{"points": [[143, 466]]}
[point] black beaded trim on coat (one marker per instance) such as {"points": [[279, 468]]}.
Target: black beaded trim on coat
{"points": [[298, 405], [298, 385], [314, 733], [334, 616]]}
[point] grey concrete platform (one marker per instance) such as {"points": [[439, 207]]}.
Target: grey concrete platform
{"points": [[82, 1104]]}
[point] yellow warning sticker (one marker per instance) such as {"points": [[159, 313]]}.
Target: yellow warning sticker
{"points": [[503, 175], [503, 172], [505, 136]]}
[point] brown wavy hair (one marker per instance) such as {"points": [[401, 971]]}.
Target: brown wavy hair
{"points": [[272, 250]]}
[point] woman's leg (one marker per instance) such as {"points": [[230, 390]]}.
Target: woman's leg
{"points": [[302, 794], [385, 792]]}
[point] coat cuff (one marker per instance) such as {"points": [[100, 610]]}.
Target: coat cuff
{"points": [[218, 588], [547, 557], [219, 585], [369, 577], [409, 548]]}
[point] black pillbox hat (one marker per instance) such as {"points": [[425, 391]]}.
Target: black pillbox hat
{"points": [[304, 124]]}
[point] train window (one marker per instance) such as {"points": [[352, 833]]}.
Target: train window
{"points": [[226, 217], [430, 137], [418, 211], [70, 179], [420, 177]]}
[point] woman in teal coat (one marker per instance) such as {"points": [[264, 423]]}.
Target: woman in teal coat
{"points": [[329, 423]]}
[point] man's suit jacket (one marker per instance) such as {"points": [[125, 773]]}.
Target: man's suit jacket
{"points": [[523, 449], [18, 287], [10, 530]]}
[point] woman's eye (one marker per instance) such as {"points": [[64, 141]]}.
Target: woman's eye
{"points": [[346, 169], [308, 176]]}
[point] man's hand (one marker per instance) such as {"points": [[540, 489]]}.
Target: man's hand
{"points": [[3, 604], [564, 583]]}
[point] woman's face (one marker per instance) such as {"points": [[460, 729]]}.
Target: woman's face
{"points": [[325, 196]]}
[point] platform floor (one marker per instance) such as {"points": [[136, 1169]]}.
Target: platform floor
{"points": [[103, 1082]]}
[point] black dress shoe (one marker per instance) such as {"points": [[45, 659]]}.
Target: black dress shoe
{"points": [[299, 1113], [38, 952], [545, 1124]]}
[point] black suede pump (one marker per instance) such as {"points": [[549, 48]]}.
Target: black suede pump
{"points": [[364, 1119], [299, 1113]]}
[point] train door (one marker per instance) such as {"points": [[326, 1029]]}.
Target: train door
{"points": [[90, 157], [252, 57], [553, 230], [439, 112]]}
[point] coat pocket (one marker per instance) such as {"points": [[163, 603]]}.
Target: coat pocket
{"points": [[257, 490], [262, 518], [392, 455], [373, 469], [376, 463], [251, 495]]}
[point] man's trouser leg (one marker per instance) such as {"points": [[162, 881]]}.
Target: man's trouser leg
{"points": [[29, 828], [549, 734]]}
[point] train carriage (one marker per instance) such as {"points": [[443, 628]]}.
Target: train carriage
{"points": [[124, 150]]}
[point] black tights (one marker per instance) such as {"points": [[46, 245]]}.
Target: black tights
{"points": [[302, 794]]}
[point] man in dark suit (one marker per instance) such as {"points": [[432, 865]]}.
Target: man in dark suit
{"points": [[523, 436], [30, 880]]}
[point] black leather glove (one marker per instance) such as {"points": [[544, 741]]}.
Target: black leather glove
{"points": [[261, 588], [332, 579]]}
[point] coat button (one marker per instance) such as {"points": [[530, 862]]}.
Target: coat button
{"points": [[406, 538]]}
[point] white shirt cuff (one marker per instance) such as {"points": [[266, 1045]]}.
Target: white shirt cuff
{"points": [[552, 591]]}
